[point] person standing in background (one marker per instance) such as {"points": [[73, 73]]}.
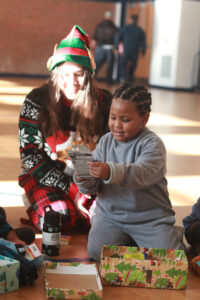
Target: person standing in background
{"points": [[103, 43], [129, 42]]}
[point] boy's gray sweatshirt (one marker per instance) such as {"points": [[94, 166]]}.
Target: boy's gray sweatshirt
{"points": [[137, 188]]}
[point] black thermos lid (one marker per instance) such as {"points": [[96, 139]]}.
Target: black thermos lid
{"points": [[51, 216]]}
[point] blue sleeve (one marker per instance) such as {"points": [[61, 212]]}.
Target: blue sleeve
{"points": [[4, 227], [194, 216]]}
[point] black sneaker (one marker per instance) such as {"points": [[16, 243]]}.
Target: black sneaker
{"points": [[25, 234]]}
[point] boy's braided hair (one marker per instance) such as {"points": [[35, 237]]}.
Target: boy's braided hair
{"points": [[135, 93]]}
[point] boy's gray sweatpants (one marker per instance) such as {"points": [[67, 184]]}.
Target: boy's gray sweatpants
{"points": [[160, 233]]}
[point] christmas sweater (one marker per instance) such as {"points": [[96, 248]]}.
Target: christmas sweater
{"points": [[35, 152]]}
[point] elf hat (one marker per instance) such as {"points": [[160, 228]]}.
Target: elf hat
{"points": [[74, 48]]}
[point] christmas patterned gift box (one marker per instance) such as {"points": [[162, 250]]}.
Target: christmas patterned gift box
{"points": [[144, 267], [72, 281]]}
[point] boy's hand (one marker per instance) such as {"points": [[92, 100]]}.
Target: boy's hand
{"points": [[99, 170]]}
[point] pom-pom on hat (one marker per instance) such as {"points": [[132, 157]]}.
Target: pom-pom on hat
{"points": [[59, 142], [74, 48]]}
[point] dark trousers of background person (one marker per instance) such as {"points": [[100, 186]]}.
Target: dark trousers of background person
{"points": [[127, 66], [103, 55]]}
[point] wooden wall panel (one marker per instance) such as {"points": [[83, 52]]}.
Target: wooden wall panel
{"points": [[30, 29]]}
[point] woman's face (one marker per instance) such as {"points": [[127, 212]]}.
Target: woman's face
{"points": [[71, 79]]}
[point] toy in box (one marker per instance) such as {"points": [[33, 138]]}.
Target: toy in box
{"points": [[72, 281], [144, 267], [9, 274]]}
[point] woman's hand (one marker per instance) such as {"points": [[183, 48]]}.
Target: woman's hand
{"points": [[99, 170], [79, 179]]}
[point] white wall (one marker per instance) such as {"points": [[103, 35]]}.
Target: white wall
{"points": [[176, 43], [189, 44]]}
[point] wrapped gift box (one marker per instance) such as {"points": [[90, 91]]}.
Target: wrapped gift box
{"points": [[9, 274], [144, 267], [72, 281]]}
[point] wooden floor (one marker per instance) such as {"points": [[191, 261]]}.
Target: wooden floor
{"points": [[175, 117]]}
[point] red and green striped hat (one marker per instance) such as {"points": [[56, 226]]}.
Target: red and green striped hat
{"points": [[74, 48]]}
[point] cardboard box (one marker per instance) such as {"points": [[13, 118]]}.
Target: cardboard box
{"points": [[32, 252], [64, 239], [9, 274], [72, 281], [144, 267]]}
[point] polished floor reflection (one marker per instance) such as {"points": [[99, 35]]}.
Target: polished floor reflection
{"points": [[175, 117]]}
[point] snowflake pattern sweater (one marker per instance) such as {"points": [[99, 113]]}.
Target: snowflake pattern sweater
{"points": [[34, 150]]}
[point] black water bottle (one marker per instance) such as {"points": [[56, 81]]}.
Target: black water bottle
{"points": [[51, 232]]}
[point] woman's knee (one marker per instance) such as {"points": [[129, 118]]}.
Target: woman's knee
{"points": [[62, 204]]}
